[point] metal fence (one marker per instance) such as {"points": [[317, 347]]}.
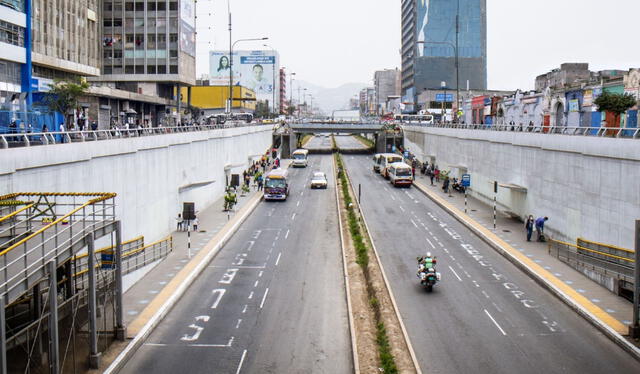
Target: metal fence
{"points": [[605, 262], [612, 132], [28, 139]]}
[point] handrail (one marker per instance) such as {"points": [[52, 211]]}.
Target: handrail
{"points": [[596, 131], [608, 245], [134, 251], [16, 212], [101, 197], [108, 134], [103, 249], [593, 251]]}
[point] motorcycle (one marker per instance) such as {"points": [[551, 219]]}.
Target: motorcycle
{"points": [[429, 278]]}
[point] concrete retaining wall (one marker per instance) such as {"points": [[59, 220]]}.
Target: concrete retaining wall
{"points": [[589, 187], [152, 175]]}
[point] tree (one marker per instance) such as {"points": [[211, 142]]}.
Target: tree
{"points": [[262, 109], [615, 103], [291, 109], [63, 95]]}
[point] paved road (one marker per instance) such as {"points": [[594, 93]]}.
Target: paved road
{"points": [[272, 301], [348, 142], [319, 142], [485, 316]]}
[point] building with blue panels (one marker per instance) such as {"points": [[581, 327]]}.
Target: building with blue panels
{"points": [[433, 33]]}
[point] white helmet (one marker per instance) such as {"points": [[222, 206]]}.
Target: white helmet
{"points": [[428, 254]]}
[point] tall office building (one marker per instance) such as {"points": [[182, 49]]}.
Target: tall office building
{"points": [[429, 45], [148, 49]]}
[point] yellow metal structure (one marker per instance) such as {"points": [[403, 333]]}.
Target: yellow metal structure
{"points": [[215, 97]]}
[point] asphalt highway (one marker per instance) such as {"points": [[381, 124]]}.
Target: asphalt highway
{"points": [[485, 316], [272, 301]]}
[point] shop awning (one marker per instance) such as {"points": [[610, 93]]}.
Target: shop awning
{"points": [[513, 187]]}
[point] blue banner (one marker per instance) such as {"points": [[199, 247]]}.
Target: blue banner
{"points": [[441, 97]]}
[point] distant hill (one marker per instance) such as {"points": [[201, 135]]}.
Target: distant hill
{"points": [[329, 99]]}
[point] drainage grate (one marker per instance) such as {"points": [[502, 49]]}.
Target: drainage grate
{"points": [[506, 230]]}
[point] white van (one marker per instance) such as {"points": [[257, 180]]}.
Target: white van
{"points": [[300, 158], [377, 158], [400, 174], [386, 160]]}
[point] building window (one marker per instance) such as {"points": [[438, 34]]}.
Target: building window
{"points": [[107, 70], [9, 72], [128, 6], [173, 69], [140, 7], [173, 5], [162, 5], [173, 53], [12, 34], [173, 38], [139, 69], [128, 69], [151, 6], [151, 69], [162, 69]]}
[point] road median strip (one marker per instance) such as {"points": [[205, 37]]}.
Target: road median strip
{"points": [[595, 315], [377, 320]]}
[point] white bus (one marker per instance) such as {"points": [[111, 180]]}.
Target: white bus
{"points": [[300, 158], [414, 118], [386, 160], [400, 174]]}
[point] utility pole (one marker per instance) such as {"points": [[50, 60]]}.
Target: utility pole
{"points": [[291, 89], [230, 60], [457, 62], [634, 329]]}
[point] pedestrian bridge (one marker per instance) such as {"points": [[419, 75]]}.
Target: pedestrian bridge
{"points": [[352, 128]]}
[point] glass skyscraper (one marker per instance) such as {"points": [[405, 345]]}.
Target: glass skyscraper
{"points": [[429, 45]]}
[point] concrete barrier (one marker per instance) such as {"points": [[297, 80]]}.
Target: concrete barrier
{"points": [[152, 175]]}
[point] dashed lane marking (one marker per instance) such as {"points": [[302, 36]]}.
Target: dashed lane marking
{"points": [[496, 323]]}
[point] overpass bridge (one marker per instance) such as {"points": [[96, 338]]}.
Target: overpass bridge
{"points": [[287, 136]]}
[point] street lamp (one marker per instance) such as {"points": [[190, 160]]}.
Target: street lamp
{"points": [[291, 89], [231, 62], [456, 50], [273, 87]]}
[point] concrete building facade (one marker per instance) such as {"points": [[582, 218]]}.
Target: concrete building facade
{"points": [[433, 32], [386, 83]]}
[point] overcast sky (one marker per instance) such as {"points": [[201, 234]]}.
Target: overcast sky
{"points": [[332, 42]]}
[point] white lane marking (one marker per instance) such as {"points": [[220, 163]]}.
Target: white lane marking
{"points": [[485, 294], [440, 244], [414, 223], [401, 208], [476, 283], [198, 329], [227, 278], [251, 243], [278, 259], [301, 193], [298, 203], [452, 258], [456, 274], [250, 295], [239, 322], [256, 284], [431, 244], [293, 216], [244, 355], [189, 345], [220, 292], [264, 297], [260, 273], [446, 250], [496, 323], [244, 310], [239, 267], [392, 198], [286, 235]]}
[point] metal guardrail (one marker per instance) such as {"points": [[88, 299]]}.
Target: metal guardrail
{"points": [[28, 139], [612, 132], [606, 264], [24, 262]]}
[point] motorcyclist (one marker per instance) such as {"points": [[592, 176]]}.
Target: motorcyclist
{"points": [[426, 264]]}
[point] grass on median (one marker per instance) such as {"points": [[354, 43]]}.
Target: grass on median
{"points": [[368, 142], [387, 361]]}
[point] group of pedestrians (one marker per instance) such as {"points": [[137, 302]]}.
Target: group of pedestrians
{"points": [[538, 224]]}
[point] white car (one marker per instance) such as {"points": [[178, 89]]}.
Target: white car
{"points": [[319, 180]]}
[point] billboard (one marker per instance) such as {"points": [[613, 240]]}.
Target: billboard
{"points": [[252, 69], [187, 29]]}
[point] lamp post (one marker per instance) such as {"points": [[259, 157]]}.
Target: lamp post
{"points": [[291, 89], [456, 51], [231, 62], [273, 87], [305, 100]]}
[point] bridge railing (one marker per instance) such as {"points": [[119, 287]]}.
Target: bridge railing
{"points": [[27, 139], [598, 131]]}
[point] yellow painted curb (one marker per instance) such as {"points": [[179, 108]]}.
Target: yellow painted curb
{"points": [[538, 270]]}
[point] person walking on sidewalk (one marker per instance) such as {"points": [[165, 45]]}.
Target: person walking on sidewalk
{"points": [[436, 172], [529, 226], [195, 224], [431, 176], [540, 228], [260, 182], [180, 222]]}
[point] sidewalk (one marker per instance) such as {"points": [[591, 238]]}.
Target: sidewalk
{"points": [[617, 310]]}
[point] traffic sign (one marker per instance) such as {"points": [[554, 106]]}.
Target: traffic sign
{"points": [[466, 180]]}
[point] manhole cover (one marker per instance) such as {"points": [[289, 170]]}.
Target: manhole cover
{"points": [[506, 230]]}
